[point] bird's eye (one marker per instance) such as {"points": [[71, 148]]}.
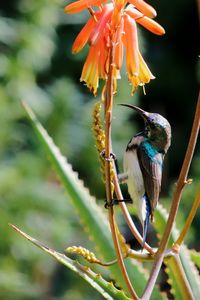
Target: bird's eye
{"points": [[151, 123], [151, 120]]}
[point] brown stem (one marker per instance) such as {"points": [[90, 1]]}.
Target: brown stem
{"points": [[108, 150], [189, 220], [182, 180]]}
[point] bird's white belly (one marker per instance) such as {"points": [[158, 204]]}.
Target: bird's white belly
{"points": [[135, 182]]}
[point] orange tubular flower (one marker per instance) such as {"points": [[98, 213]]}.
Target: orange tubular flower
{"points": [[90, 73], [131, 38], [104, 52], [145, 8], [114, 24], [101, 25], [84, 34], [119, 48], [144, 75], [81, 5], [148, 23]]}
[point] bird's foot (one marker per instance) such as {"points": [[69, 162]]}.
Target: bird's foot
{"points": [[111, 158], [116, 202]]}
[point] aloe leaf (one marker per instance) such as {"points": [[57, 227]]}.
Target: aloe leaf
{"points": [[190, 271], [105, 288], [195, 257], [179, 286], [91, 215]]}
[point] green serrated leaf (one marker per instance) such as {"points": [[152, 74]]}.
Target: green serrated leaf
{"points": [[195, 257], [179, 286], [190, 272], [91, 215], [105, 288]]}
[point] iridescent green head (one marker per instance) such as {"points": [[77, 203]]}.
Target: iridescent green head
{"points": [[157, 128]]}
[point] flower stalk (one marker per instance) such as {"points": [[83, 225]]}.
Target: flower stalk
{"points": [[108, 150], [100, 142]]}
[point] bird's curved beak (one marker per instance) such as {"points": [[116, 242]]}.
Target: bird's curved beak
{"points": [[142, 112]]}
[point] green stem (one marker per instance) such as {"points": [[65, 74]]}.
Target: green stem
{"points": [[175, 204], [146, 256]]}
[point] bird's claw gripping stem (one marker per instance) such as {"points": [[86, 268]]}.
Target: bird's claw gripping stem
{"points": [[116, 202], [112, 156]]}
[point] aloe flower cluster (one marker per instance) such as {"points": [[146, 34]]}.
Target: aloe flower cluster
{"points": [[114, 25]]}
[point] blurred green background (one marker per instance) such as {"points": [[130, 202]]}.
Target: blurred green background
{"points": [[36, 65]]}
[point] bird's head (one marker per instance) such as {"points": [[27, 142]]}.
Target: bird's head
{"points": [[157, 128]]}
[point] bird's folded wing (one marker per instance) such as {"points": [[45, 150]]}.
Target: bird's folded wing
{"points": [[151, 167]]}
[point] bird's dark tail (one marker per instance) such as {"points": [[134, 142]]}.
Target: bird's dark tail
{"points": [[147, 219]]}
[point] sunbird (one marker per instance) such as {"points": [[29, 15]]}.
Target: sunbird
{"points": [[143, 164]]}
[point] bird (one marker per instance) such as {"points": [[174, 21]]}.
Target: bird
{"points": [[143, 164]]}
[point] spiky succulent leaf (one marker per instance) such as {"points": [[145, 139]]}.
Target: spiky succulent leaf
{"points": [[190, 272], [176, 278], [105, 288], [195, 257]]}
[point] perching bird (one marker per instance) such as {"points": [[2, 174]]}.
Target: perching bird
{"points": [[143, 164]]}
